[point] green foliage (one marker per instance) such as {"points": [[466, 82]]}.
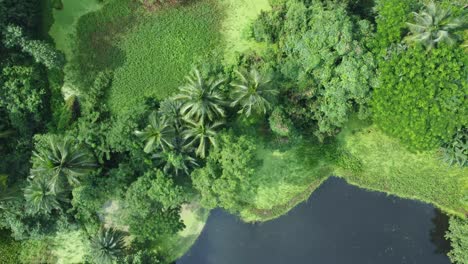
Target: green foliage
{"points": [[60, 160], [434, 25], [391, 20], [280, 124], [108, 245], [153, 206], [157, 134], [458, 235], [227, 174], [40, 197], [455, 152], [253, 93], [324, 52], [155, 70], [201, 99], [421, 98], [174, 163], [41, 51], [9, 248], [201, 136], [22, 94]]}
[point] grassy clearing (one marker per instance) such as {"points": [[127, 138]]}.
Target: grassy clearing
{"points": [[236, 25], [287, 176], [151, 53], [161, 50], [388, 167], [63, 30]]}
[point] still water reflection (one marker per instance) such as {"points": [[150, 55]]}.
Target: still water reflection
{"points": [[339, 224]]}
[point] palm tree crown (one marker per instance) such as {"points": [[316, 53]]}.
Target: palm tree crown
{"points": [[108, 245], [201, 135], [201, 98], [252, 93], [158, 133], [434, 25], [40, 197], [170, 110], [60, 159]]}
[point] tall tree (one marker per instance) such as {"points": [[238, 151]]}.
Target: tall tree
{"points": [[201, 135], [40, 197], [61, 161], [108, 245], [158, 133], [201, 98], [434, 25], [252, 92]]}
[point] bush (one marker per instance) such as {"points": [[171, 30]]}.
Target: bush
{"points": [[280, 124], [458, 235], [421, 98], [456, 151], [9, 248]]}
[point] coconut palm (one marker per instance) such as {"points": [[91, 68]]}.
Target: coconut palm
{"points": [[175, 163], [59, 160], [107, 245], [201, 98], [158, 133], [252, 93], [201, 135], [170, 110], [40, 197], [434, 25]]}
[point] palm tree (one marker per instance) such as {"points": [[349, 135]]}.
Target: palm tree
{"points": [[40, 197], [158, 133], [434, 25], [61, 159], [174, 162], [201, 98], [107, 245], [201, 135], [170, 110], [252, 93]]}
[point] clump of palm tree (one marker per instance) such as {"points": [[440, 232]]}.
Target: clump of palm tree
{"points": [[158, 133], [434, 25], [40, 198], [108, 245], [252, 92], [201, 98], [170, 110], [175, 162], [201, 135], [61, 161]]}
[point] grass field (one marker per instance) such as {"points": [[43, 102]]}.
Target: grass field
{"points": [[161, 51], [236, 25], [151, 52]]}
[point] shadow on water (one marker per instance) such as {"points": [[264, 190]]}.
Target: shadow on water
{"points": [[440, 226], [339, 224]]}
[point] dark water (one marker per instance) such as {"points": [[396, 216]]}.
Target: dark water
{"points": [[338, 224]]}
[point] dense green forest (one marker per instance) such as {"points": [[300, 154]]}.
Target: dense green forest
{"points": [[122, 123]]}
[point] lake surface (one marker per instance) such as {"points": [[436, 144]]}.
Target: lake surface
{"points": [[339, 223]]}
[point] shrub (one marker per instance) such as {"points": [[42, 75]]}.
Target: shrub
{"points": [[456, 151], [421, 98], [458, 235], [280, 124]]}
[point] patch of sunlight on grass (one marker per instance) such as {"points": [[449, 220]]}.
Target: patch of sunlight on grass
{"points": [[64, 28], [194, 218], [235, 26], [389, 167]]}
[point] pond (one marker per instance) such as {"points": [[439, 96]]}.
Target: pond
{"points": [[339, 223]]}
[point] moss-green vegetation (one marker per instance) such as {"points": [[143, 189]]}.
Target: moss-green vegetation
{"points": [[288, 93], [9, 248], [151, 51]]}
